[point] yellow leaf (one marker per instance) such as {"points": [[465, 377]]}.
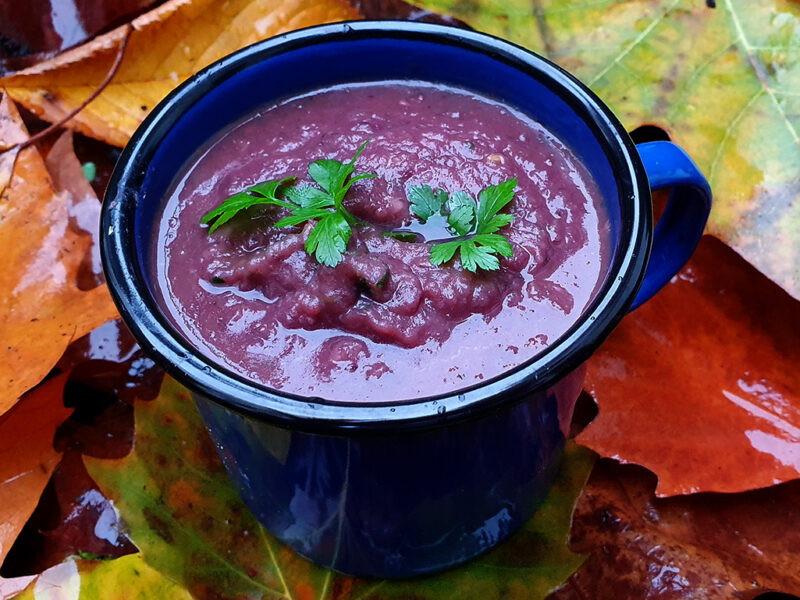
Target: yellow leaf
{"points": [[41, 308], [166, 46]]}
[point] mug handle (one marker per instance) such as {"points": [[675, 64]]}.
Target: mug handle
{"points": [[681, 226]]}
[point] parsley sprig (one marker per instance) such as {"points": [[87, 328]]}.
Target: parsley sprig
{"points": [[328, 240], [476, 223]]}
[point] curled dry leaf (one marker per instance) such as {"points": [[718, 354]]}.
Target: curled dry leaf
{"points": [[41, 308], [165, 46], [27, 456], [687, 548], [190, 525], [700, 385], [723, 81]]}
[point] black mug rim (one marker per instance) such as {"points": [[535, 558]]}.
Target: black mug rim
{"points": [[204, 376]]}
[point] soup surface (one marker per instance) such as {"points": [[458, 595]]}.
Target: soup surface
{"points": [[385, 324]]}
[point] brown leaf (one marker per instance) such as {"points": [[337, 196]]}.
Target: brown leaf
{"points": [[700, 385], [166, 45], [692, 547], [50, 25], [27, 456], [10, 134], [41, 309], [73, 518], [83, 206]]}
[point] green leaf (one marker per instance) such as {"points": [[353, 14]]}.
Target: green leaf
{"points": [[401, 236], [497, 243], [492, 200], [355, 178], [269, 189], [443, 252], [265, 193], [301, 215], [191, 527], [474, 257], [462, 213], [425, 202], [329, 174], [309, 197], [496, 223], [328, 240]]}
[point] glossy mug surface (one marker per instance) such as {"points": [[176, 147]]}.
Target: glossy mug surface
{"points": [[399, 489]]}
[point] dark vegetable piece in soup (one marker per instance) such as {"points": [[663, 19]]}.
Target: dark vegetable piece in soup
{"points": [[384, 323]]}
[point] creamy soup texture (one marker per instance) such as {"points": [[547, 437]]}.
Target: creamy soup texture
{"points": [[385, 324]]}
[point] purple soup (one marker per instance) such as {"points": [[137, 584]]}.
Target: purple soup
{"points": [[385, 324]]}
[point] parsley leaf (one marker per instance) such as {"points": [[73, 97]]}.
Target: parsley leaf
{"points": [[336, 178], [402, 236], [462, 213], [474, 222], [425, 202], [441, 253], [491, 201], [328, 239], [260, 193], [474, 256], [309, 197]]}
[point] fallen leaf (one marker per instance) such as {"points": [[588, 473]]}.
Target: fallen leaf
{"points": [[73, 518], [399, 9], [172, 486], [48, 25], [126, 578], [166, 46], [107, 372], [83, 206], [687, 548], [700, 385], [41, 309], [11, 587], [722, 81], [107, 364], [27, 456]]}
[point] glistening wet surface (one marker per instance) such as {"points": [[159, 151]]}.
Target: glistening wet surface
{"points": [[385, 324]]}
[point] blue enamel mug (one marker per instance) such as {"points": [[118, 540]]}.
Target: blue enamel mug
{"points": [[405, 488]]}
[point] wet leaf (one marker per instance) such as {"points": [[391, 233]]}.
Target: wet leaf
{"points": [[166, 45], [48, 25], [27, 456], [700, 385], [190, 525], [722, 81], [687, 548], [83, 206], [41, 308], [72, 519], [126, 578]]}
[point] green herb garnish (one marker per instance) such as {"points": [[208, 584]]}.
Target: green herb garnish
{"points": [[401, 236], [474, 222], [328, 240], [260, 193]]}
